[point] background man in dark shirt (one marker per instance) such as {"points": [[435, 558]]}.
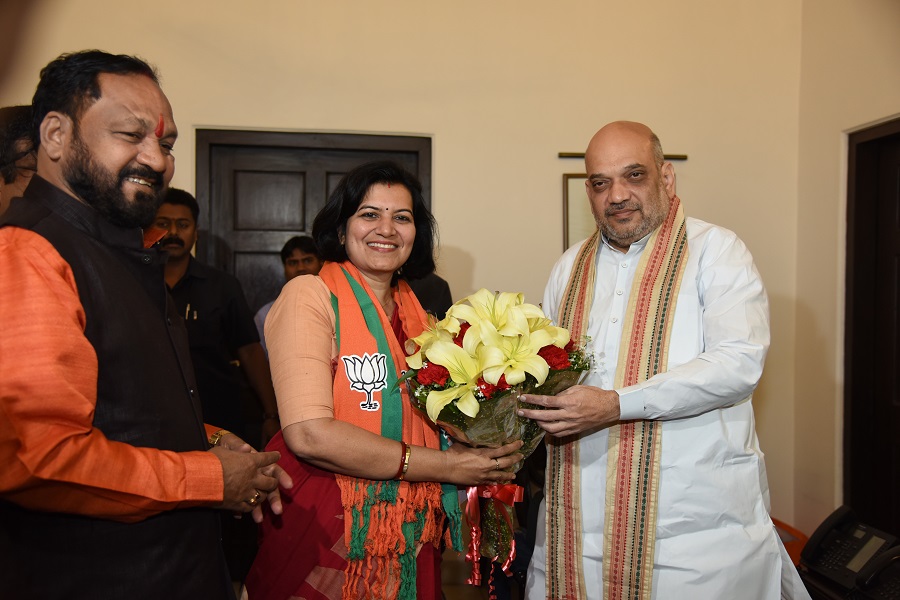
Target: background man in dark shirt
{"points": [[433, 293], [219, 322], [299, 256]]}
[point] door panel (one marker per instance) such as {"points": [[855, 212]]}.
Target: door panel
{"points": [[886, 411], [258, 189], [872, 372], [255, 212]]}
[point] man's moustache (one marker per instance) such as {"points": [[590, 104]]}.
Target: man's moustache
{"points": [[145, 173], [620, 208], [171, 240]]}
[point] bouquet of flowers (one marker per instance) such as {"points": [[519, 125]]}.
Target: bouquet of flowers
{"points": [[468, 373]]}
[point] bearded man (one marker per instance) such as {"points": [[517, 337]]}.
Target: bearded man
{"points": [[655, 484], [108, 482]]}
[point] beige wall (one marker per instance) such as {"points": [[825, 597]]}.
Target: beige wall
{"points": [[503, 87], [849, 80]]}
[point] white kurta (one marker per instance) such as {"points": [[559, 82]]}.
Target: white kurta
{"points": [[714, 537]]}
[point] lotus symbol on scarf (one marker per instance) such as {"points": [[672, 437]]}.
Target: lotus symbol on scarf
{"points": [[367, 374]]}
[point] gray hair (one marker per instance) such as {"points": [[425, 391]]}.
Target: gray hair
{"points": [[658, 155]]}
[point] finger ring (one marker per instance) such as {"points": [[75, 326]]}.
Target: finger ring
{"points": [[497, 462], [255, 499]]}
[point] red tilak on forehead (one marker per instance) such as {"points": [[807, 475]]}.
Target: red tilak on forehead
{"points": [[160, 127]]}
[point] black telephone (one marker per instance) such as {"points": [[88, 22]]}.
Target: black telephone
{"points": [[847, 559]]}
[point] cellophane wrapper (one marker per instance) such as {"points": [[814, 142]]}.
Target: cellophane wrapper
{"points": [[496, 424]]}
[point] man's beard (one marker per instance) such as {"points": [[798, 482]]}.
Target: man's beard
{"points": [[102, 189], [653, 211]]}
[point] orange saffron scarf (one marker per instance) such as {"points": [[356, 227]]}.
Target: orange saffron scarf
{"points": [[385, 521]]}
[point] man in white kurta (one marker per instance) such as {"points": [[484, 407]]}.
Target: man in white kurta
{"points": [[714, 536]]}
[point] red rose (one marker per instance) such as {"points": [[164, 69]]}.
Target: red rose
{"points": [[556, 357], [463, 328], [501, 383], [489, 389], [571, 347], [432, 374], [486, 388]]}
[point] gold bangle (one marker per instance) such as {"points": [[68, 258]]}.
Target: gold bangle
{"points": [[215, 438], [403, 449], [405, 466]]}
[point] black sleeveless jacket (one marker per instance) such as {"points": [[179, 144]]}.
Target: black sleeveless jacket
{"points": [[145, 397]]}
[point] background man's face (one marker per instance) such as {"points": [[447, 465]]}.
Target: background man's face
{"points": [[181, 230], [301, 263], [115, 161]]}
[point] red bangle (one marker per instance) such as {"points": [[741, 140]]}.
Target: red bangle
{"points": [[404, 460]]}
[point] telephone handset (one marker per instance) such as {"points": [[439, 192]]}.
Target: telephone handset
{"points": [[846, 555], [880, 579]]}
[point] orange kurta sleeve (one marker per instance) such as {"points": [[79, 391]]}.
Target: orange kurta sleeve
{"points": [[52, 457]]}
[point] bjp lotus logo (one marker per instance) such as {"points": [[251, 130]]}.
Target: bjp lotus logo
{"points": [[367, 374]]}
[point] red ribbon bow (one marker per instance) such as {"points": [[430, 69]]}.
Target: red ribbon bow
{"points": [[507, 494]]}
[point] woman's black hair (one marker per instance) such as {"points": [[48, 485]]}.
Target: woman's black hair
{"points": [[331, 221]]}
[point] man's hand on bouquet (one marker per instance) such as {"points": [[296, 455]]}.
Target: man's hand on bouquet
{"points": [[574, 410], [482, 466], [268, 470]]}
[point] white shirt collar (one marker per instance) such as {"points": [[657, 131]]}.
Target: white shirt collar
{"points": [[635, 247]]}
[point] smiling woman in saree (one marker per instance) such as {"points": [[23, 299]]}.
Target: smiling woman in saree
{"points": [[374, 482]]}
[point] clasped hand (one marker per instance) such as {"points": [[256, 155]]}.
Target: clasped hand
{"points": [[482, 466], [574, 410], [250, 477]]}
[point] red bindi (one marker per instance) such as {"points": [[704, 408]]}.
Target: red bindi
{"points": [[160, 127]]}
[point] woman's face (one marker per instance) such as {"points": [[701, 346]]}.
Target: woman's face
{"points": [[379, 236]]}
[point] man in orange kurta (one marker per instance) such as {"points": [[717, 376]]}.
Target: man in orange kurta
{"points": [[108, 481]]}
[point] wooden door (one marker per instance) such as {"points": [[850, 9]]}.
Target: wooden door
{"points": [[872, 359], [258, 189]]}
